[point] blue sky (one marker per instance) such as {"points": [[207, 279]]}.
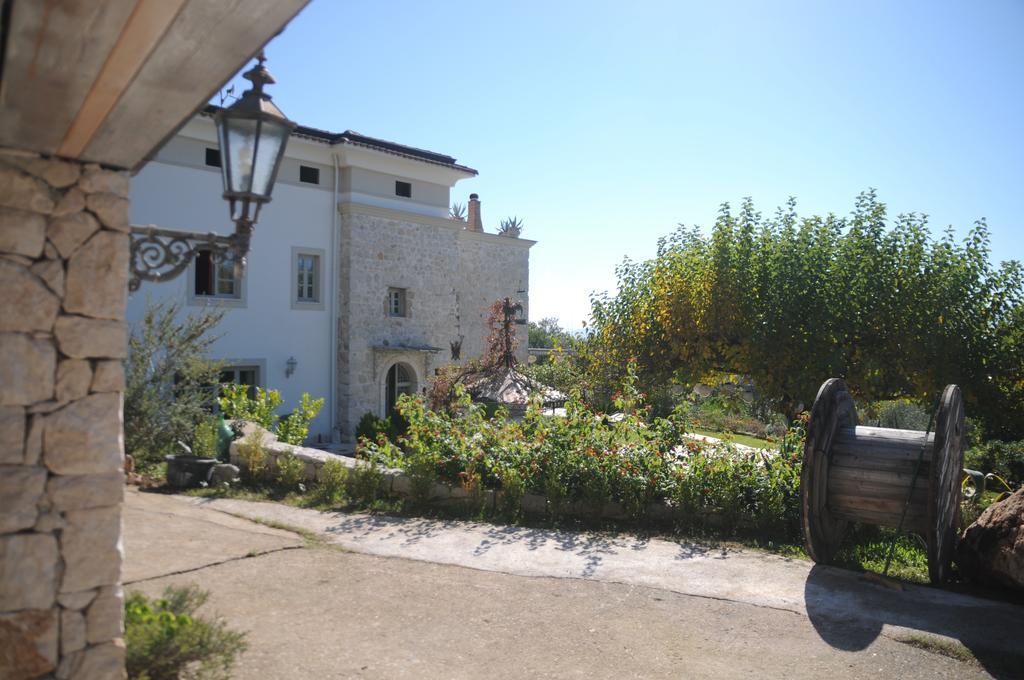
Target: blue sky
{"points": [[603, 125]]}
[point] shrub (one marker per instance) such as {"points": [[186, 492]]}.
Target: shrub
{"points": [[902, 414], [366, 481], [236, 404], [1005, 459], [371, 426], [252, 454], [332, 483], [294, 428], [205, 438], [168, 380], [591, 459], [291, 471], [165, 640]]}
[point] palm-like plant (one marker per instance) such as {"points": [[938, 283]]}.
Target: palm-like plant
{"points": [[511, 226], [457, 212]]}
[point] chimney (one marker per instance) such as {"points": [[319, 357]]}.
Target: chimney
{"points": [[473, 222]]}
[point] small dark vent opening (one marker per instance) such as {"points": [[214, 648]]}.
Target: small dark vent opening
{"points": [[403, 189], [213, 157], [309, 175]]}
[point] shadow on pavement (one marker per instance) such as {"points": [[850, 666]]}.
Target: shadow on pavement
{"points": [[849, 614]]}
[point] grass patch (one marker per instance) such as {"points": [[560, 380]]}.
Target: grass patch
{"points": [[948, 648], [735, 438], [866, 547]]}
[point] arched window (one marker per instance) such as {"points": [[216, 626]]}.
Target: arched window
{"points": [[400, 380]]}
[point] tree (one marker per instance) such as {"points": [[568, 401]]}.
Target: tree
{"points": [[791, 301], [171, 384], [547, 333]]}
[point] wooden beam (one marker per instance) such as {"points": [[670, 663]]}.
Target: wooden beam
{"points": [[55, 49], [208, 42], [141, 34]]}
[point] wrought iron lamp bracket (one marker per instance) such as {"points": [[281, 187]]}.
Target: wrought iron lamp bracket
{"points": [[163, 254]]}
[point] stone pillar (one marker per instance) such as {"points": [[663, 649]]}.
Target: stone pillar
{"points": [[63, 271], [473, 220]]}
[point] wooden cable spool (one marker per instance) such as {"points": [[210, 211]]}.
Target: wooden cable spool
{"points": [[853, 473]]}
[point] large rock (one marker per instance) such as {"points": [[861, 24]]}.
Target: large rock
{"points": [[74, 376], [28, 571], [21, 488], [70, 231], [28, 643], [96, 180], [84, 437], [91, 547], [72, 631], [78, 492], [105, 616], [108, 376], [97, 280], [22, 232], [52, 274], [111, 209], [24, 192], [101, 662], [73, 201], [27, 369], [12, 435], [992, 549], [82, 338], [27, 304]]}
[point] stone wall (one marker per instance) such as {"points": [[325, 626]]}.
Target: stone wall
{"points": [[451, 277], [63, 269]]}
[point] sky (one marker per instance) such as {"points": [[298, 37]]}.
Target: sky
{"points": [[603, 125]]}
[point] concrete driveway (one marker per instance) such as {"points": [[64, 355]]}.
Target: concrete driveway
{"points": [[375, 596]]}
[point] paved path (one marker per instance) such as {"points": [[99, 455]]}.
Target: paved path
{"points": [[471, 600]]}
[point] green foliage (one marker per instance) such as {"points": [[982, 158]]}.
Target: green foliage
{"points": [[548, 333], [332, 483], [510, 226], [590, 459], [205, 439], [166, 640], [1005, 459], [902, 414], [792, 301], [291, 471], [371, 426], [252, 454], [294, 428], [365, 482], [169, 380], [236, 404]]}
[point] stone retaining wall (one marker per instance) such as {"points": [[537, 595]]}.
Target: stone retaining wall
{"points": [[63, 271]]}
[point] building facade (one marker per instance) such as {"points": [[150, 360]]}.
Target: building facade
{"points": [[358, 285]]}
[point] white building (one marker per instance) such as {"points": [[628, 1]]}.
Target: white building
{"points": [[358, 283]]}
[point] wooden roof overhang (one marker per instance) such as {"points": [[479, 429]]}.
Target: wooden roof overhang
{"points": [[108, 81]]}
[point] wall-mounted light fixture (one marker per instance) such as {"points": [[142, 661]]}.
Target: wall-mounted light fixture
{"points": [[252, 134], [289, 367]]}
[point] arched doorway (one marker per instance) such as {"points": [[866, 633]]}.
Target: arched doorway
{"points": [[400, 379]]}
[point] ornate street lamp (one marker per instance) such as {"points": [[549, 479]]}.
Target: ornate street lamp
{"points": [[252, 134]]}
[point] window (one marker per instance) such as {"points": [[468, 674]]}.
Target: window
{"points": [[308, 267], [403, 189], [309, 175], [396, 301], [213, 157], [215, 276], [242, 375], [306, 282]]}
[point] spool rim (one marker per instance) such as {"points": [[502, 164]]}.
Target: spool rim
{"points": [[944, 484], [833, 408]]}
